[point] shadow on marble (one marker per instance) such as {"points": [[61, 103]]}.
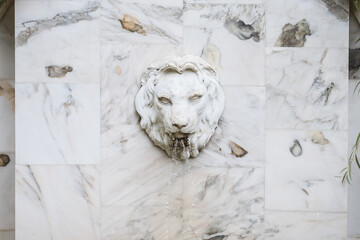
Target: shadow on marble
{"points": [[142, 21], [7, 60], [305, 225], [67, 36], [7, 235], [306, 88], [57, 202], [7, 193], [225, 35], [7, 116], [302, 169], [327, 23], [57, 123]]}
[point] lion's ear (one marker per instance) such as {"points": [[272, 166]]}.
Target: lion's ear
{"points": [[144, 103]]}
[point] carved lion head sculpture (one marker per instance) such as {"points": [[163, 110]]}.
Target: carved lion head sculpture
{"points": [[180, 103]]}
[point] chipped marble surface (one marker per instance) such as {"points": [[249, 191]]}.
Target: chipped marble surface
{"points": [[65, 33], [143, 19], [64, 200], [219, 32], [57, 123], [306, 88], [328, 20], [309, 181], [305, 225], [7, 116], [7, 194]]}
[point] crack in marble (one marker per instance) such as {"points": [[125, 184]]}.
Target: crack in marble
{"points": [[34, 27]]}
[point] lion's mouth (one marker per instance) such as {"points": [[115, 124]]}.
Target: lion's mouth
{"points": [[180, 146]]}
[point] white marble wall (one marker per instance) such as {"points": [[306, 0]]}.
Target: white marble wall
{"points": [[7, 127], [86, 170]]}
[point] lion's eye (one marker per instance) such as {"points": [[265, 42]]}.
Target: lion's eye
{"points": [[195, 97], [164, 100]]}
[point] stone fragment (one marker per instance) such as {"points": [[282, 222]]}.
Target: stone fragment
{"points": [[318, 138], [237, 150], [131, 24], [4, 160], [54, 71], [296, 149]]}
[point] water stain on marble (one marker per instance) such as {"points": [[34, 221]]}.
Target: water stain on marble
{"points": [[339, 8], [4, 160], [34, 27], [242, 30], [237, 150], [294, 35], [319, 138], [296, 149], [212, 55], [131, 24], [55, 71], [354, 63]]}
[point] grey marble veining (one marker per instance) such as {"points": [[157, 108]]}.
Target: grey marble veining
{"points": [[85, 168]]}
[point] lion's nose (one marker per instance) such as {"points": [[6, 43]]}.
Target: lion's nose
{"points": [[179, 125]]}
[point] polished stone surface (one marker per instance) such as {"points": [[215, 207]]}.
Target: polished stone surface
{"points": [[86, 169]]}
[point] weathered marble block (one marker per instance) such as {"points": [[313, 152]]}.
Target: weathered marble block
{"points": [[57, 123], [62, 35], [57, 202]]}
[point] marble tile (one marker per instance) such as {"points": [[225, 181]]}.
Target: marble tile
{"points": [[57, 202], [57, 41], [7, 59], [241, 125], [122, 66], [146, 222], [327, 21], [7, 116], [142, 21], [220, 202], [7, 235], [305, 225], [57, 123], [135, 172], [306, 88], [302, 169], [213, 31], [7, 194]]}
